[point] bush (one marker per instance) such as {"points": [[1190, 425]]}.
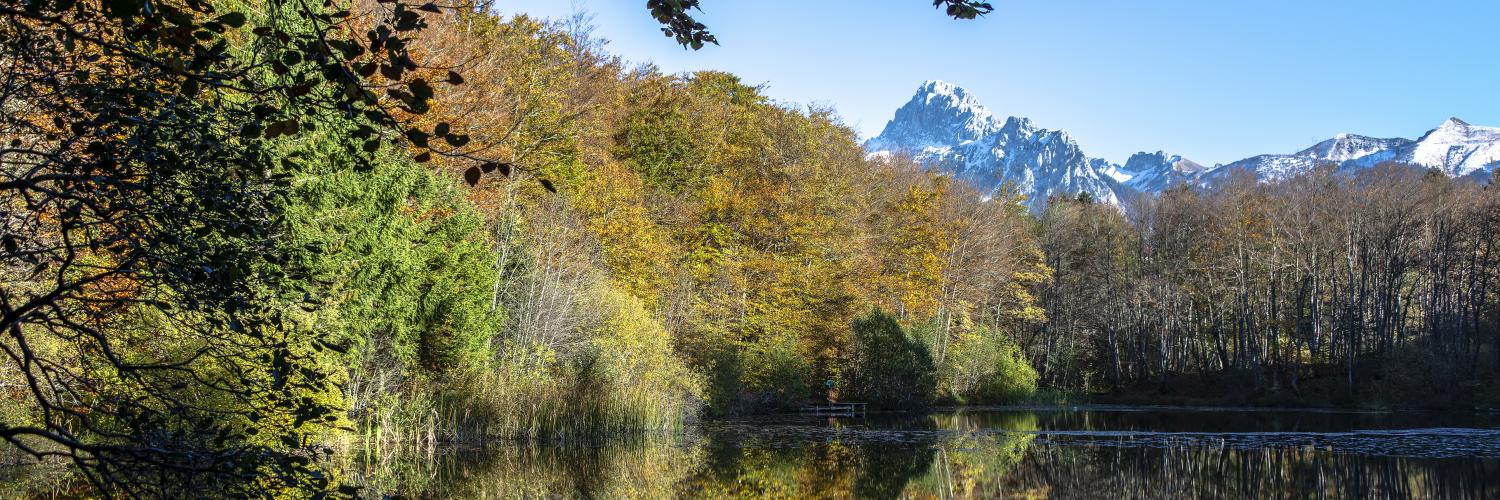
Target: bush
{"points": [[403, 273], [625, 379], [984, 365], [644, 385], [775, 374], [1014, 379], [887, 368]]}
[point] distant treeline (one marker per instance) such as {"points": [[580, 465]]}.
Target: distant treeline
{"points": [[1375, 287]]}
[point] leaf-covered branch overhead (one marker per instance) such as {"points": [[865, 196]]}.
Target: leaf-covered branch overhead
{"points": [[678, 23]]}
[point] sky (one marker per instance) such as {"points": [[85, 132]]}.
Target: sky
{"points": [[1212, 80]]}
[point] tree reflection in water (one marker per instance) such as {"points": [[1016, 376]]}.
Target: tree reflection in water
{"points": [[957, 455]]}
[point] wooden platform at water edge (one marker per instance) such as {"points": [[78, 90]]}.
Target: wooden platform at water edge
{"points": [[835, 409]]}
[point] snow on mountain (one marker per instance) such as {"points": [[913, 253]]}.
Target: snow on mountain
{"points": [[1346, 147], [1154, 172], [1457, 148], [946, 128], [941, 115], [1344, 150]]}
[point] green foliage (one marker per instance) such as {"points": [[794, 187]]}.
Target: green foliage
{"points": [[144, 260], [985, 365], [634, 368], [403, 263], [887, 368], [775, 373], [661, 143]]}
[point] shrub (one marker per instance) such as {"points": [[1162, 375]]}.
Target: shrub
{"points": [[984, 365], [1014, 379], [625, 379], [775, 373], [887, 368]]}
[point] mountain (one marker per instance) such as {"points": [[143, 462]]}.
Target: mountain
{"points": [[1456, 148], [1348, 151], [946, 128], [1154, 172]]}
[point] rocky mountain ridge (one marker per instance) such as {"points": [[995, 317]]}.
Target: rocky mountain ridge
{"points": [[947, 128]]}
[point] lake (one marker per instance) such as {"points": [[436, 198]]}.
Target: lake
{"points": [[1073, 452]]}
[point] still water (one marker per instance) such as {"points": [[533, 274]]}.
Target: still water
{"points": [[1079, 452]]}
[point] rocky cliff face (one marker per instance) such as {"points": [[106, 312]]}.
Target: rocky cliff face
{"points": [[946, 128]]}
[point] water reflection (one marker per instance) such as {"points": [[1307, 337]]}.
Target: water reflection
{"points": [[637, 468], [1070, 471], [1088, 453]]}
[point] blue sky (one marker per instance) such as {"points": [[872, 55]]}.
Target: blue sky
{"points": [[1212, 80]]}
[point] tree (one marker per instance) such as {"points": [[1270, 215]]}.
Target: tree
{"points": [[887, 368], [150, 299]]}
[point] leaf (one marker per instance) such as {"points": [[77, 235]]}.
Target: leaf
{"points": [[456, 140], [424, 157], [454, 78], [233, 19], [417, 137], [122, 9], [392, 72], [290, 126], [505, 169], [472, 175], [420, 89], [430, 7], [546, 184], [489, 166], [441, 129], [299, 90]]}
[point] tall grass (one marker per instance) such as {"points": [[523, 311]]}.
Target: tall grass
{"points": [[518, 401]]}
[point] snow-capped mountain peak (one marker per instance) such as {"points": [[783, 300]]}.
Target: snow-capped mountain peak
{"points": [[1153, 172], [939, 113], [1458, 148], [1454, 147], [945, 127], [1345, 147]]}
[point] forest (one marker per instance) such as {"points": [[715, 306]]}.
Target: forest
{"points": [[239, 237], [1330, 288]]}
